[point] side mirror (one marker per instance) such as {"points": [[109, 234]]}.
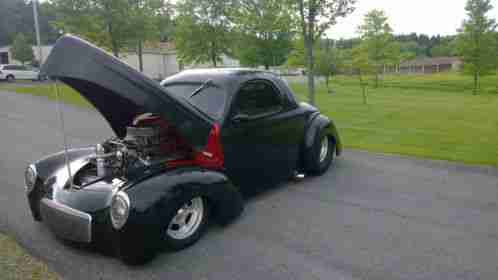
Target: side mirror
{"points": [[239, 118]]}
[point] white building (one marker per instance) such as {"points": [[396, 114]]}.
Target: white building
{"points": [[158, 63]]}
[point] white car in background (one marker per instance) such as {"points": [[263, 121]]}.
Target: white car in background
{"points": [[12, 72]]}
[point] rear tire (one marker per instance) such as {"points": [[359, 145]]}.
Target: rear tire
{"points": [[10, 78], [321, 155]]}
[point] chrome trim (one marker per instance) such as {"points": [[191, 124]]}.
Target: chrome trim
{"points": [[187, 219], [126, 199], [66, 222], [29, 189], [324, 149]]}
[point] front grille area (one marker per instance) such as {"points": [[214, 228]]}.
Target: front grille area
{"points": [[66, 222]]}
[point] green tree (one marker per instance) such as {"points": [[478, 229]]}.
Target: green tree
{"points": [[16, 16], [297, 56], [167, 23], [410, 47], [477, 42], [378, 39], [496, 38], [145, 16], [21, 50], [329, 61], [446, 47], [314, 18], [362, 66], [264, 27], [254, 51], [203, 31], [407, 56], [104, 22]]}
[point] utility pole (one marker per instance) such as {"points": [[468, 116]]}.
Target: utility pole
{"points": [[37, 30]]}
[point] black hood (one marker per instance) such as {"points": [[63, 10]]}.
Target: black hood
{"points": [[118, 91]]}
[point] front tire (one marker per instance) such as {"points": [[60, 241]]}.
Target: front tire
{"points": [[185, 222], [10, 78], [321, 155]]}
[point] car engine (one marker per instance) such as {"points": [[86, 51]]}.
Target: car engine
{"points": [[147, 142]]}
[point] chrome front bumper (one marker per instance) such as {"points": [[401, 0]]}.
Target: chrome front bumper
{"points": [[66, 222]]}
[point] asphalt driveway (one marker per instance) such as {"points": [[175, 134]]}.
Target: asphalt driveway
{"points": [[370, 217]]}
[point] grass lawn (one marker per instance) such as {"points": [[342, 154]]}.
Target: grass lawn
{"points": [[444, 82], [17, 264], [430, 116], [433, 116], [67, 95]]}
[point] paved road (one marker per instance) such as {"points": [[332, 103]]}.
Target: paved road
{"points": [[371, 217]]}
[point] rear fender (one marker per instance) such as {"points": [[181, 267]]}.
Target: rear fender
{"points": [[317, 123]]}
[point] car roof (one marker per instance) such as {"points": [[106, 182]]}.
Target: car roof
{"points": [[225, 71], [229, 78], [2, 65]]}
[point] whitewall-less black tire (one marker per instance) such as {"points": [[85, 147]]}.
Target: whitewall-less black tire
{"points": [[185, 222], [321, 155]]}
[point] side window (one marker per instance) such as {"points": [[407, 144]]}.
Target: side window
{"points": [[16, 67], [256, 98], [8, 67]]}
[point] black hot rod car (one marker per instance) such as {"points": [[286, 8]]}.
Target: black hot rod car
{"points": [[182, 151]]}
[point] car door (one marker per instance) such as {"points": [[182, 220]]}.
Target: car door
{"points": [[17, 71], [30, 73], [255, 138], [10, 70], [21, 72], [26, 73]]}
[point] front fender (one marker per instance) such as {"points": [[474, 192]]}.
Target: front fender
{"points": [[52, 174], [317, 123], [51, 163], [148, 197]]}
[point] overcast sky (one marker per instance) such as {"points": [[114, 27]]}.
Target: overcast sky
{"points": [[430, 17]]}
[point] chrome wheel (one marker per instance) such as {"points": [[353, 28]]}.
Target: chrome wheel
{"points": [[324, 148], [187, 219]]}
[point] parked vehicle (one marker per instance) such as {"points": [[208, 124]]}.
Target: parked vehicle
{"points": [[182, 152], [12, 72]]}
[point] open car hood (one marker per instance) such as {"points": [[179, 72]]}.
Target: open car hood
{"points": [[119, 92]]}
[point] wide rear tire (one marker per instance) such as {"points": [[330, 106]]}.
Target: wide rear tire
{"points": [[321, 155]]}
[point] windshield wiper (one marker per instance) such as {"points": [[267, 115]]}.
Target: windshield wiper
{"points": [[205, 85]]}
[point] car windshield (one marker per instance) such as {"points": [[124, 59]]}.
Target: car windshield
{"points": [[210, 101]]}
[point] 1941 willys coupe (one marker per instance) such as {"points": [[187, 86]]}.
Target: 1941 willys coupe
{"points": [[182, 151]]}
